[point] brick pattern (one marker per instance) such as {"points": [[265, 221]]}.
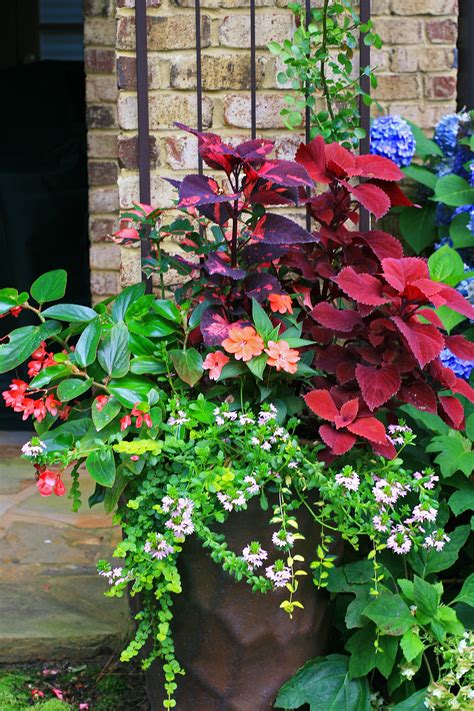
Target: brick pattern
{"points": [[416, 70], [101, 97]]}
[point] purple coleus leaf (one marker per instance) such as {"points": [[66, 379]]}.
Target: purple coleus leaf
{"points": [[214, 327], [255, 150], [215, 264], [276, 229], [220, 212], [260, 286], [285, 172], [201, 190], [259, 252], [267, 193]]}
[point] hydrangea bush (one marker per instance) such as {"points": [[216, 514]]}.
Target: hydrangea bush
{"points": [[285, 367]]}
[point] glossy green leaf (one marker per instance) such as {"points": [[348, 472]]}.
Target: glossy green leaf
{"points": [[114, 351], [86, 347], [188, 365], [147, 365], [459, 232], [421, 175], [454, 191], [22, 342], [106, 414], [50, 286], [324, 683], [131, 389], [262, 322], [72, 388], [416, 702], [418, 226], [426, 597], [73, 313], [424, 145], [167, 309], [49, 374], [126, 297], [463, 499], [9, 298], [257, 365], [101, 466], [113, 494]]}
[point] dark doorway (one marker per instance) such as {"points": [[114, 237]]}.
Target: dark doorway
{"points": [[43, 151], [466, 55]]}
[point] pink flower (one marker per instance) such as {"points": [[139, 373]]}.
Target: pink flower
{"points": [[141, 417], [125, 422], [282, 357], [158, 547], [399, 541], [101, 401], [349, 481], [244, 343], [283, 539], [49, 482], [214, 362], [279, 574], [254, 554]]}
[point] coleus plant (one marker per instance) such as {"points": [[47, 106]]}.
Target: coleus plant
{"points": [[363, 314]]}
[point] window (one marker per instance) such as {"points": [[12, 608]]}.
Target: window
{"points": [[61, 30]]}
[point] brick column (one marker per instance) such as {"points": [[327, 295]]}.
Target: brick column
{"points": [[101, 98]]}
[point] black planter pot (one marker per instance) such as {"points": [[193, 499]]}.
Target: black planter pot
{"points": [[239, 647]]}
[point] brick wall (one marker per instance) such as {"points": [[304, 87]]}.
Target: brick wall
{"points": [[416, 73]]}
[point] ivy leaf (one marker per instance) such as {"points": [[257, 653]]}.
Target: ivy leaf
{"points": [[22, 342], [50, 286], [86, 347], [467, 592], [106, 414], [411, 645], [463, 499], [390, 613], [101, 466], [426, 596], [72, 388], [364, 655], [425, 562], [188, 365], [114, 352], [324, 683], [416, 702], [71, 312], [455, 453]]}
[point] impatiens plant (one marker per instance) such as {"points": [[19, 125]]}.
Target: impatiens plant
{"points": [[276, 370]]}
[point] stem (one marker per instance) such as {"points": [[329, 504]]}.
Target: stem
{"points": [[233, 246], [425, 659], [162, 280], [323, 61]]}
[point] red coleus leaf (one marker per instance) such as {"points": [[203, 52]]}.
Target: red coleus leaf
{"points": [[374, 199], [372, 166], [347, 414], [455, 301], [285, 172], [336, 319], [369, 428], [338, 442], [276, 229], [394, 193], [432, 317], [382, 244], [313, 157], [461, 387], [201, 190], [401, 272], [452, 411], [424, 340], [363, 288], [214, 151], [322, 404], [377, 385], [420, 395], [386, 450], [339, 161], [460, 346], [216, 264]]}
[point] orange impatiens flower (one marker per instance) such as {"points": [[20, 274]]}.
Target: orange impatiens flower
{"points": [[214, 362], [280, 303], [281, 356], [244, 343]]}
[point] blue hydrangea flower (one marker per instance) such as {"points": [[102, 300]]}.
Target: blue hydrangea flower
{"points": [[471, 175], [443, 241], [446, 133], [462, 156], [444, 167], [462, 368], [444, 216], [391, 137], [470, 210]]}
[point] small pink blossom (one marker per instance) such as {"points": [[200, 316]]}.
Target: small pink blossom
{"points": [[381, 523], [399, 541], [252, 486], [351, 482], [436, 540], [283, 539], [278, 573], [158, 547], [254, 554]]}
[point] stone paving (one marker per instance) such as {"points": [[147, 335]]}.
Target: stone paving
{"points": [[51, 597]]}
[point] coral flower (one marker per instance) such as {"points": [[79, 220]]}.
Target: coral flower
{"points": [[49, 482], [244, 343], [125, 422], [214, 362], [101, 401], [282, 357], [280, 303]]}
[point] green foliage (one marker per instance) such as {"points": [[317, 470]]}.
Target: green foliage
{"points": [[318, 61], [50, 286], [454, 191]]}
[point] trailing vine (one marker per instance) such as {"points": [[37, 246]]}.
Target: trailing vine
{"points": [[319, 70]]}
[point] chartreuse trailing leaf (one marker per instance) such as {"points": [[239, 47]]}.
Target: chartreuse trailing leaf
{"points": [[324, 683], [86, 347], [50, 286], [114, 352], [22, 343], [101, 466], [73, 313]]}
